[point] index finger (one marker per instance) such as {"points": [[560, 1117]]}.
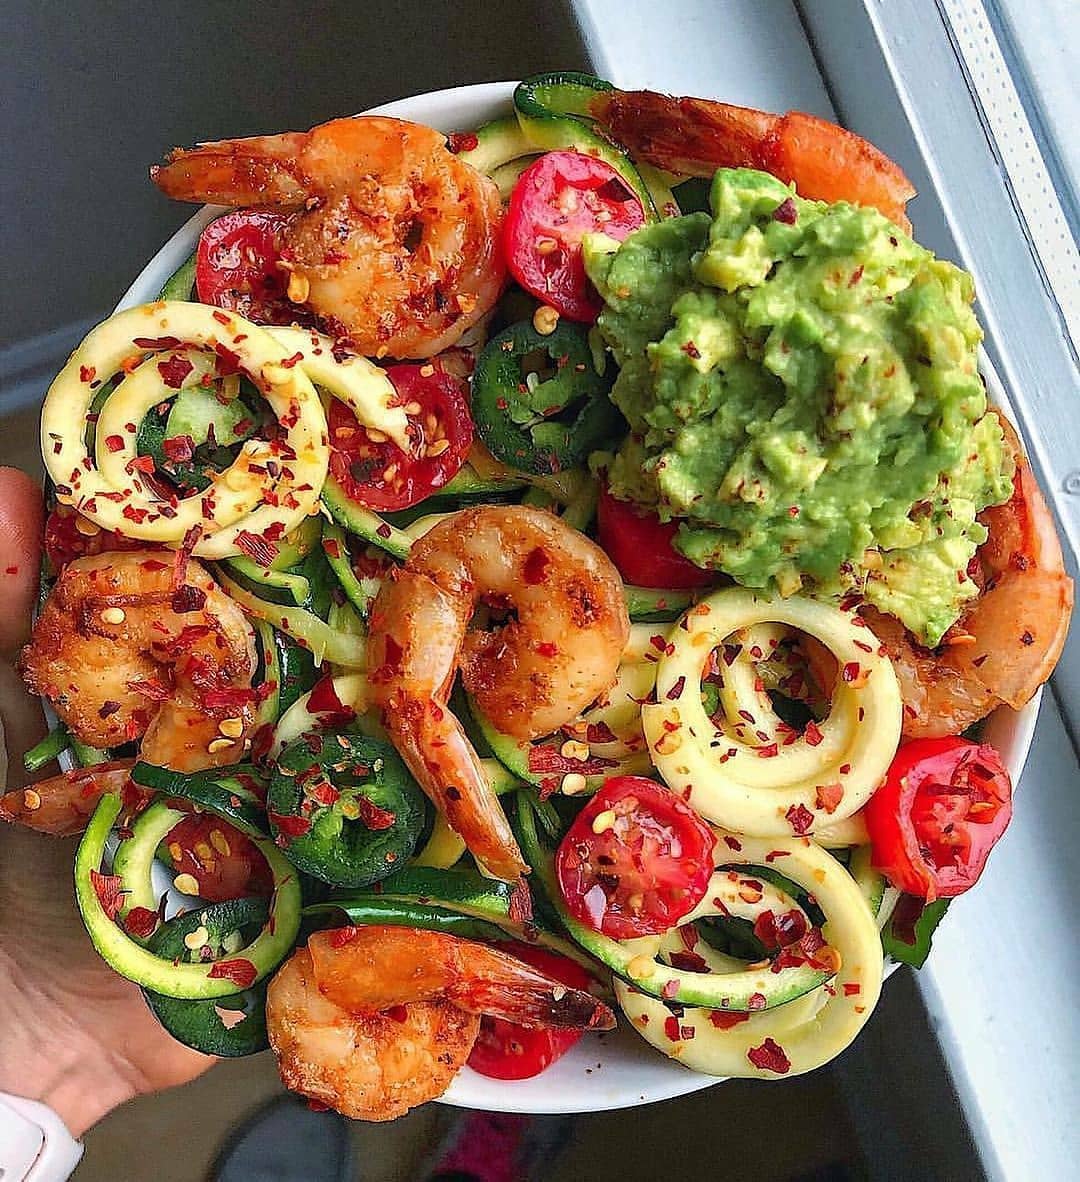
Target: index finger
{"points": [[21, 514]]}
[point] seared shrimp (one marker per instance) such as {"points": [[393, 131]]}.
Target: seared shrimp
{"points": [[394, 244], [529, 676], [367, 1066], [374, 1021], [368, 969], [61, 805], [1008, 642], [125, 651], [696, 137]]}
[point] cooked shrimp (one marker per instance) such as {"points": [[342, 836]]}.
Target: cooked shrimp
{"points": [[529, 676], [61, 805], [395, 241], [696, 137], [124, 651], [1009, 640], [368, 969], [367, 1066]]}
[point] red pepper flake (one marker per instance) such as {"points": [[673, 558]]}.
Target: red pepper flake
{"points": [[548, 760], [599, 732], [534, 570], [153, 690], [114, 443], [138, 516], [547, 649], [768, 751], [756, 1001], [289, 362], [179, 449], [325, 702], [461, 141], [372, 816], [780, 931], [188, 598], [786, 212], [155, 344], [772, 855], [732, 843], [688, 962], [174, 370], [140, 922], [812, 733], [671, 1028], [331, 547], [227, 362], [829, 797], [339, 937], [769, 1057], [108, 708], [397, 1013], [726, 1019], [852, 988], [856, 275], [107, 887], [241, 972], [290, 826], [800, 818], [257, 548], [851, 671], [230, 698]]}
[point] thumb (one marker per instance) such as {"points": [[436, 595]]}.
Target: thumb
{"points": [[20, 556]]}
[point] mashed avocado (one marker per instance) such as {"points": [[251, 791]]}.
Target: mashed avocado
{"points": [[801, 383]]}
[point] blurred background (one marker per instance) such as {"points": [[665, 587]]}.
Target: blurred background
{"points": [[92, 93]]}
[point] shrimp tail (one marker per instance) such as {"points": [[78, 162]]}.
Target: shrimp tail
{"points": [[61, 805], [503, 987], [255, 171], [696, 137], [370, 969]]}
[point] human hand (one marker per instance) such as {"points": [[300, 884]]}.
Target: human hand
{"points": [[73, 1034]]}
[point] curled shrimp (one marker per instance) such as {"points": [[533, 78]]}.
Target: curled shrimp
{"points": [[1008, 641], [376, 1020], [529, 676], [696, 137], [394, 244], [125, 651], [61, 805], [367, 1066]]}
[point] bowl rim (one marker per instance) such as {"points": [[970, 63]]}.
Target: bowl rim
{"points": [[578, 1082]]}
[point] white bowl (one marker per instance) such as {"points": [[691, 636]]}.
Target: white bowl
{"points": [[618, 1070]]}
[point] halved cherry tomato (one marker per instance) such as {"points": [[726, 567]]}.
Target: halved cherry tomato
{"points": [[224, 862], [236, 266], [943, 806], [556, 201], [636, 859], [378, 474], [69, 535], [505, 1050], [639, 544]]}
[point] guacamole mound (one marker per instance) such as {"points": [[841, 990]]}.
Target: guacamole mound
{"points": [[801, 382]]}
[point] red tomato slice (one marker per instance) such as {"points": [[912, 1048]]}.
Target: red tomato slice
{"points": [[505, 1050], [66, 540], [647, 867], [639, 544], [556, 201], [236, 266], [943, 806], [225, 863], [378, 474]]}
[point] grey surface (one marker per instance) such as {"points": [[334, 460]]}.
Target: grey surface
{"points": [[91, 94]]}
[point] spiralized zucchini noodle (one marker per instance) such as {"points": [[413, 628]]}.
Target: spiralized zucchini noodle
{"points": [[805, 1032], [748, 773]]}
